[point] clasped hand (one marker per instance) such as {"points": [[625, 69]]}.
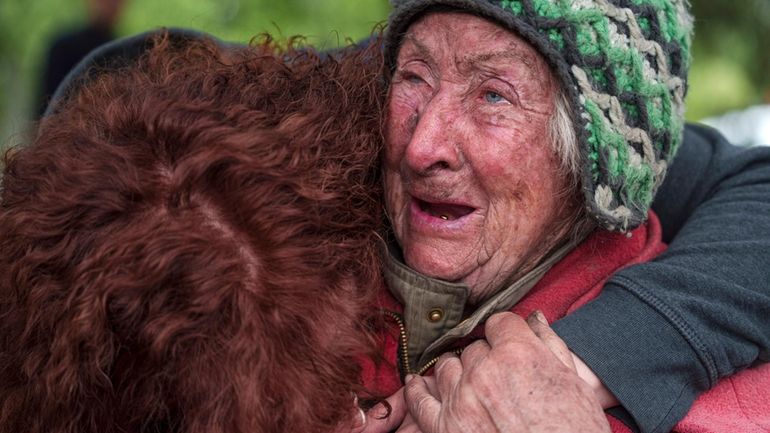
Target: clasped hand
{"points": [[522, 378]]}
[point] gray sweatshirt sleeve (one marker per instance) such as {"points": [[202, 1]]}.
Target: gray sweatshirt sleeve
{"points": [[663, 332]]}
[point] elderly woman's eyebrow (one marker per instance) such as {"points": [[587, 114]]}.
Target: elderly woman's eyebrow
{"points": [[513, 55], [421, 48]]}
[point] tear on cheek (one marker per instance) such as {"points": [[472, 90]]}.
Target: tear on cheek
{"points": [[411, 123], [519, 191], [402, 118]]}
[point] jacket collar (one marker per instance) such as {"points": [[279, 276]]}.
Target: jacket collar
{"points": [[434, 310]]}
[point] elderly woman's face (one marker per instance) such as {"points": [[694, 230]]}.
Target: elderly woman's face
{"points": [[473, 187]]}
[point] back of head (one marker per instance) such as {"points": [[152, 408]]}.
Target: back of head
{"points": [[190, 245]]}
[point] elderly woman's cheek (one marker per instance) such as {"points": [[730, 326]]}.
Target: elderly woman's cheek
{"points": [[511, 135], [497, 119], [404, 105], [401, 121]]}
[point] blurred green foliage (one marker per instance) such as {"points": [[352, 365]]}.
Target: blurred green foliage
{"points": [[731, 57], [729, 71], [28, 26]]}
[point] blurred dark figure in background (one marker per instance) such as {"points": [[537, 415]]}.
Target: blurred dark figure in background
{"points": [[68, 48]]}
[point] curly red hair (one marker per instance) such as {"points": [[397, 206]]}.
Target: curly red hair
{"points": [[190, 245]]}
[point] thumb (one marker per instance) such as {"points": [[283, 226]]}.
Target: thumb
{"points": [[422, 405], [385, 416], [539, 326]]}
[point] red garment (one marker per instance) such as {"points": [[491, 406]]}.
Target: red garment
{"points": [[739, 403], [736, 404]]}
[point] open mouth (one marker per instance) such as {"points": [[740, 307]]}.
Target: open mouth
{"points": [[444, 211]]}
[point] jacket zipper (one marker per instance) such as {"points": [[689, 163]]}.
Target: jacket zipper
{"points": [[405, 352]]}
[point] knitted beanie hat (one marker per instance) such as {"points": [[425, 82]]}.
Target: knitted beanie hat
{"points": [[623, 65]]}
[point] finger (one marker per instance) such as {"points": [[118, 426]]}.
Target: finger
{"points": [[430, 382], [606, 398], [409, 425], [539, 325], [385, 417], [474, 353], [448, 371], [359, 416], [422, 405], [506, 328]]}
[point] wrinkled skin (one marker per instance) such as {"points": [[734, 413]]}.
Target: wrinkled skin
{"points": [[548, 397], [475, 194], [521, 379], [473, 185]]}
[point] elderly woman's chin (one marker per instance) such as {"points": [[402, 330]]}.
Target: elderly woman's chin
{"points": [[482, 261], [464, 261], [434, 260]]}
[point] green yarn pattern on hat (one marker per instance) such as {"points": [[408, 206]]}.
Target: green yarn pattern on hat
{"points": [[624, 65]]}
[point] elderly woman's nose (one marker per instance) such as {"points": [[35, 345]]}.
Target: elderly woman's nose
{"points": [[435, 141]]}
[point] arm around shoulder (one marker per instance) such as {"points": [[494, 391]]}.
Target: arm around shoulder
{"points": [[663, 332]]}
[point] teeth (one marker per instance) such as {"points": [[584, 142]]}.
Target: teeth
{"points": [[444, 211]]}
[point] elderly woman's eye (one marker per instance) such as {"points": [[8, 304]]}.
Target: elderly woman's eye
{"points": [[412, 78], [494, 97]]}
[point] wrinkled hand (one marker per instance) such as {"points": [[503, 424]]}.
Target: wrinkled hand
{"points": [[512, 382], [384, 418], [539, 326], [380, 419]]}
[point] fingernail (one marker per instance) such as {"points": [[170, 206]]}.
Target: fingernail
{"points": [[540, 317], [408, 378], [361, 423], [379, 411]]}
